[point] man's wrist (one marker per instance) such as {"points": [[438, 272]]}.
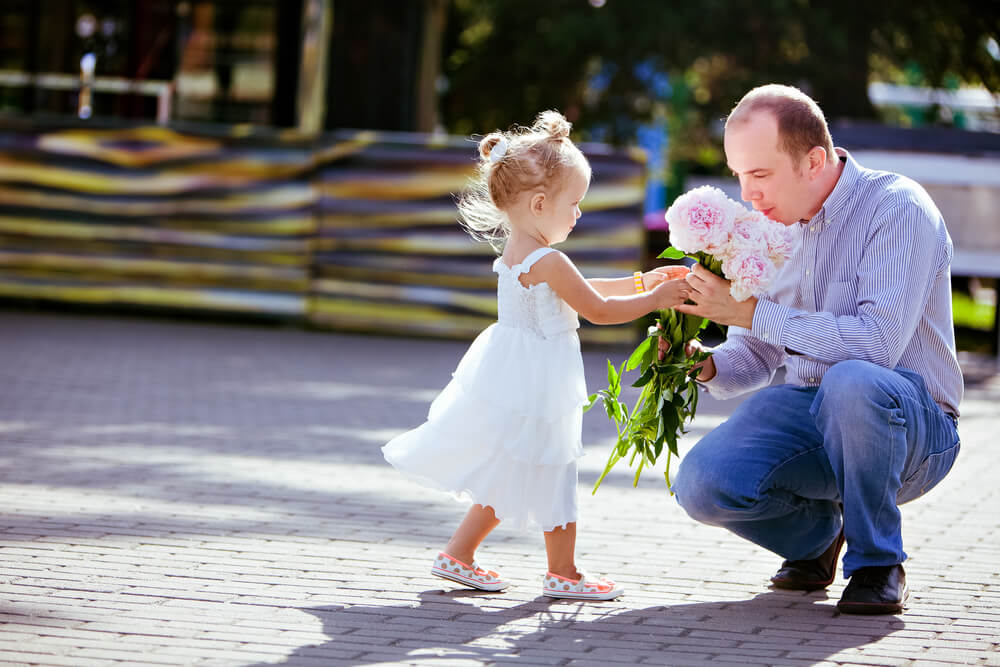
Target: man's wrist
{"points": [[749, 309]]}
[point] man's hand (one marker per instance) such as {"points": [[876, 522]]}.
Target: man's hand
{"points": [[703, 371], [711, 297]]}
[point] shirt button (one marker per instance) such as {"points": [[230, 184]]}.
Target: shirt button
{"points": [[808, 272], [812, 229], [812, 379], [764, 335]]}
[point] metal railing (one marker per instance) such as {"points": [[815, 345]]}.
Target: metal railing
{"points": [[161, 90]]}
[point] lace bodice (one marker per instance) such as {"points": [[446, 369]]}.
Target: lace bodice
{"points": [[537, 308]]}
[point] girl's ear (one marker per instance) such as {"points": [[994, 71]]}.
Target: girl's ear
{"points": [[537, 203]]}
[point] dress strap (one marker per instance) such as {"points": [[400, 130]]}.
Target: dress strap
{"points": [[533, 257]]}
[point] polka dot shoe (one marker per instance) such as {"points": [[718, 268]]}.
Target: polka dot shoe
{"points": [[473, 576], [586, 588]]}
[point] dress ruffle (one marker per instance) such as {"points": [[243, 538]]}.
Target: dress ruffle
{"points": [[518, 373], [506, 430], [522, 495]]}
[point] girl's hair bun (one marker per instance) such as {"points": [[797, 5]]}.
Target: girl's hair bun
{"points": [[488, 143], [553, 124]]}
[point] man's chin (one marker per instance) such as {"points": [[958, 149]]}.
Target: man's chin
{"points": [[777, 217]]}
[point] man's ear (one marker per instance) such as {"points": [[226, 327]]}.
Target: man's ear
{"points": [[537, 203], [817, 159]]}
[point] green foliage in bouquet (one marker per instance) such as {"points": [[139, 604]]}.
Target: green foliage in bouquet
{"points": [[669, 393]]}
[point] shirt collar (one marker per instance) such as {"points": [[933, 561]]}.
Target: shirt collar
{"points": [[838, 199]]}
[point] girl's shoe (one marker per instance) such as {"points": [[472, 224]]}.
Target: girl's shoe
{"points": [[586, 588], [473, 576]]}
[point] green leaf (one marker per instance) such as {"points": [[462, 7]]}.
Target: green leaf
{"points": [[649, 358], [692, 325], [671, 253], [658, 443], [612, 376], [611, 408], [639, 353], [644, 379], [591, 400], [671, 421]]}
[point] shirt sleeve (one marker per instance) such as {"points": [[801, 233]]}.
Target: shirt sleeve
{"points": [[875, 315], [743, 363]]}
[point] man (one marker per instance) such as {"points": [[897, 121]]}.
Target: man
{"points": [[860, 318]]}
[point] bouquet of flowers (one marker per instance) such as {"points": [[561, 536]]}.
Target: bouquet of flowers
{"points": [[742, 245]]}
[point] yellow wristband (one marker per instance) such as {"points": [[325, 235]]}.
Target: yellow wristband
{"points": [[637, 279]]}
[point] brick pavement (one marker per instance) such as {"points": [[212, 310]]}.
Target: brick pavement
{"points": [[208, 494]]}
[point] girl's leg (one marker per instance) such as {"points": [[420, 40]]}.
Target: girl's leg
{"points": [[560, 547], [479, 521]]}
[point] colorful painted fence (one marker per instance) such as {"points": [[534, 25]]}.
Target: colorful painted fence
{"points": [[354, 231]]}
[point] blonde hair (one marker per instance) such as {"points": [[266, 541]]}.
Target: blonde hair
{"points": [[531, 158], [801, 123]]}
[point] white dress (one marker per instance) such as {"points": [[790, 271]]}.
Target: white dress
{"points": [[506, 431]]}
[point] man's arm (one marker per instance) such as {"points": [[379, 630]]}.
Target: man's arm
{"points": [[741, 364], [871, 318], [874, 317]]}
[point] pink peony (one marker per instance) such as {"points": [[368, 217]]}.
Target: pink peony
{"points": [[701, 220], [750, 271], [781, 241], [748, 232]]}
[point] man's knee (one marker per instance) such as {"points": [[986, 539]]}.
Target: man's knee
{"points": [[700, 486], [849, 377], [849, 386]]}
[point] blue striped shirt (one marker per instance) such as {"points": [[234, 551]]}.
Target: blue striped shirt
{"points": [[870, 280]]}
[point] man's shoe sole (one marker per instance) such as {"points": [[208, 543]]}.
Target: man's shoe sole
{"points": [[873, 608]]}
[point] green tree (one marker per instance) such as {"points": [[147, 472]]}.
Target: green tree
{"points": [[507, 59]]}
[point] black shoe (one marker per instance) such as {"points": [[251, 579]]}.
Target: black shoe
{"points": [[813, 574], [875, 590]]}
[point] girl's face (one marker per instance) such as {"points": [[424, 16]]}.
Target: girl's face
{"points": [[560, 208]]}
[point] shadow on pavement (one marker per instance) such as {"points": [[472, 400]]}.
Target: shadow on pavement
{"points": [[443, 627]]}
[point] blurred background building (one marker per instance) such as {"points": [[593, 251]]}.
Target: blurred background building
{"points": [[298, 158]]}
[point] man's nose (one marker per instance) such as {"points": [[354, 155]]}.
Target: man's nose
{"points": [[748, 193]]}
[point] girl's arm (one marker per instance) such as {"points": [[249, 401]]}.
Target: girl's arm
{"points": [[613, 286], [626, 286], [566, 281]]}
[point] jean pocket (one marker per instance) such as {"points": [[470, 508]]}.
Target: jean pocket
{"points": [[931, 471]]}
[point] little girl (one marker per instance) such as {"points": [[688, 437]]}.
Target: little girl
{"points": [[506, 431]]}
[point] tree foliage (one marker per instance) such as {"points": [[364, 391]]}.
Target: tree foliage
{"points": [[613, 67]]}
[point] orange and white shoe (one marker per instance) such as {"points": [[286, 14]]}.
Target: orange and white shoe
{"points": [[585, 588], [472, 576]]}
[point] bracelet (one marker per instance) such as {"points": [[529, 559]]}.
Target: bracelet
{"points": [[637, 279]]}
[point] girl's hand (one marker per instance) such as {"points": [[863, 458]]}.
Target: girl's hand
{"points": [[651, 279], [671, 293]]}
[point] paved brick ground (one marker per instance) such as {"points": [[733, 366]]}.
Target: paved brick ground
{"points": [[187, 493]]}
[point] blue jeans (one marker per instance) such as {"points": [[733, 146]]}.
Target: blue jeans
{"points": [[778, 470]]}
